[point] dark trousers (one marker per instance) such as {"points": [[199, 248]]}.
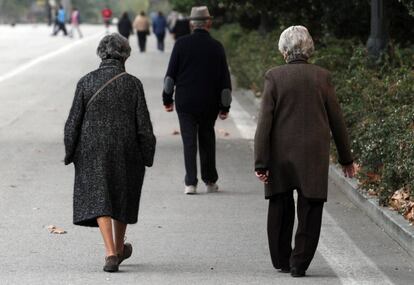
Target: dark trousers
{"points": [[142, 40], [195, 127], [160, 41], [60, 26], [281, 217]]}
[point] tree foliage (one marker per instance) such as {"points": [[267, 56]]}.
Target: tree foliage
{"points": [[90, 9], [343, 19]]}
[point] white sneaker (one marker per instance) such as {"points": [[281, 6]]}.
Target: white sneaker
{"points": [[191, 189], [212, 188]]}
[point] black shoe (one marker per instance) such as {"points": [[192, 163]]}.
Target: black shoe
{"points": [[126, 254], [111, 264], [284, 270], [296, 272]]}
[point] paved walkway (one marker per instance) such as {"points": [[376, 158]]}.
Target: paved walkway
{"points": [[203, 239]]}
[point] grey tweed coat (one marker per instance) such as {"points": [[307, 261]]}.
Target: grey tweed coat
{"points": [[110, 144], [299, 111]]}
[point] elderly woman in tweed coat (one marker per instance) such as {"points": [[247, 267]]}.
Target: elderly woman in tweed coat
{"points": [[109, 138], [299, 111]]}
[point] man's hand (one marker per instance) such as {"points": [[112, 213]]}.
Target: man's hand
{"points": [[349, 170], [223, 115], [263, 176], [169, 108]]}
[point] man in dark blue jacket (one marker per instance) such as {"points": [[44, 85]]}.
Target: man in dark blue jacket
{"points": [[199, 74], [159, 27]]}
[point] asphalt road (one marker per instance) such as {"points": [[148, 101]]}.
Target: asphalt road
{"points": [[203, 239]]}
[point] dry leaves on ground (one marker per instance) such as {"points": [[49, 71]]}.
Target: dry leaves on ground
{"points": [[401, 202], [56, 230], [409, 212]]}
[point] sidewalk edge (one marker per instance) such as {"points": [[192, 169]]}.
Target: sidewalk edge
{"points": [[389, 221]]}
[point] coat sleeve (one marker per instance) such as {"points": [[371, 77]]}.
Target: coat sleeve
{"points": [[262, 137], [171, 77], [74, 124], [337, 124], [146, 137], [225, 88]]}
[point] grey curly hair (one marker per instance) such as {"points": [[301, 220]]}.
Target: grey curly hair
{"points": [[296, 41], [114, 46]]}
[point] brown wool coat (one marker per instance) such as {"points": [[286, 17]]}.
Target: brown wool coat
{"points": [[299, 111]]}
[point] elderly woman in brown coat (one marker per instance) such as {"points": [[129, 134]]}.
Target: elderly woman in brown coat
{"points": [[299, 111], [109, 138]]}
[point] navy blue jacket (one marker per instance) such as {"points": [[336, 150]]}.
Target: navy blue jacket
{"points": [[198, 68]]}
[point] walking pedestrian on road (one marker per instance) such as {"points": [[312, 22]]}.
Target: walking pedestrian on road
{"points": [[181, 27], [298, 112], [60, 21], [198, 70], [125, 25], [159, 27], [75, 22], [109, 138], [106, 16], [142, 26]]}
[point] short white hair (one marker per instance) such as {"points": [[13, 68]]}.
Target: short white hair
{"points": [[197, 24], [114, 46], [296, 42]]}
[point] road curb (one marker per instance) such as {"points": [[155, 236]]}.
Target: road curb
{"points": [[390, 221]]}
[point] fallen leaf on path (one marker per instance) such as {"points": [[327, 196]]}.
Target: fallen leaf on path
{"points": [[175, 133], [55, 230], [224, 133]]}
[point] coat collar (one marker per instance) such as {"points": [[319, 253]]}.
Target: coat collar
{"points": [[201, 31], [297, 59], [112, 63]]}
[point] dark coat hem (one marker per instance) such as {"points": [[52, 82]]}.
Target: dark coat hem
{"points": [[277, 195], [92, 221]]}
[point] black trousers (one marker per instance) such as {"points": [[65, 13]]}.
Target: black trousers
{"points": [[60, 27], [281, 217], [199, 127], [160, 41], [142, 40]]}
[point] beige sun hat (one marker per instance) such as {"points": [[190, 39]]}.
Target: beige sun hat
{"points": [[200, 13]]}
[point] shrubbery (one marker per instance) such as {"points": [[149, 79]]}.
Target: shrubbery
{"points": [[377, 100]]}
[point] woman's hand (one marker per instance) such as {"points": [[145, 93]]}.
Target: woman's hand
{"points": [[263, 176], [223, 115], [169, 108], [349, 170]]}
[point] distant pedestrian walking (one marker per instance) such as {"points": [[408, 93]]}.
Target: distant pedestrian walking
{"points": [[142, 26], [159, 27], [125, 25], [199, 73], [181, 27], [109, 138], [60, 21], [75, 22], [299, 110], [106, 17]]}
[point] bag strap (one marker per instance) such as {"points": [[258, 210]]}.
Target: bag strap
{"points": [[103, 87]]}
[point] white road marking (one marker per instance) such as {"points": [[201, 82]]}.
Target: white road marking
{"points": [[242, 120], [45, 57], [348, 262]]}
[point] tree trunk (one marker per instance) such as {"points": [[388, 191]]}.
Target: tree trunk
{"points": [[266, 24]]}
